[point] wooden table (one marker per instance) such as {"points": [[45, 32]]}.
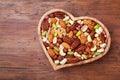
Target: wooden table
{"points": [[21, 55]]}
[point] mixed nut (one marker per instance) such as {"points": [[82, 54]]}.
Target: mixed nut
{"points": [[69, 41]]}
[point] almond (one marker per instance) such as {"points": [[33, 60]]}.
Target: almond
{"points": [[46, 44], [73, 27], [92, 34], [62, 24], [51, 53], [59, 15], [67, 29], [51, 45], [83, 39], [70, 34], [66, 45], [50, 38], [75, 43], [53, 20], [59, 40]]}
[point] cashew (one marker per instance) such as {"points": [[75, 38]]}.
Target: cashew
{"points": [[66, 18], [79, 21], [63, 61], [71, 22], [44, 39], [84, 28], [89, 38], [54, 40], [56, 61], [62, 53], [76, 54], [94, 48], [96, 35], [100, 50]]}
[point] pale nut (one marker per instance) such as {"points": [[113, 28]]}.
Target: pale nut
{"points": [[84, 28], [89, 39], [63, 61], [66, 18], [71, 21], [62, 53], [66, 45], [44, 39], [103, 45], [76, 54], [94, 48], [54, 40], [100, 50], [61, 47], [56, 62], [96, 35]]}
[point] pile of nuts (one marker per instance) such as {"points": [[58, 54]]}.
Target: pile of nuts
{"points": [[69, 41]]}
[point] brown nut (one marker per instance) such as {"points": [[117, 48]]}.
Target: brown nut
{"points": [[53, 20], [65, 50], [87, 50], [73, 27], [80, 48], [46, 44], [51, 45], [67, 39], [92, 34], [67, 29], [45, 25], [59, 40], [102, 38], [72, 60], [75, 43], [60, 57], [59, 14], [62, 24]]}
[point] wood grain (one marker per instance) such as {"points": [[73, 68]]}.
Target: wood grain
{"points": [[21, 56]]}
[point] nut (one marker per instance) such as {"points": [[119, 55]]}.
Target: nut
{"points": [[53, 20], [102, 38], [46, 44], [80, 48], [45, 25], [75, 43], [70, 34], [54, 40], [63, 61], [83, 39], [87, 50], [62, 24], [66, 45], [67, 39], [50, 38], [51, 53], [72, 60]]}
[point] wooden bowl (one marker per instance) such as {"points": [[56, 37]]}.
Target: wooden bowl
{"points": [[55, 67]]}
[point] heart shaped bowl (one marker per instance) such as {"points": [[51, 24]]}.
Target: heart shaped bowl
{"points": [[86, 41]]}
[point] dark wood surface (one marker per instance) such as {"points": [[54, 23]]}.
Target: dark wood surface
{"points": [[21, 55]]}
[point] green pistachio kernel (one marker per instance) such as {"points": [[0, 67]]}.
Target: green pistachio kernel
{"points": [[44, 33], [78, 33], [96, 26], [54, 25], [84, 56], [55, 33], [56, 48], [96, 53], [67, 22], [70, 53]]}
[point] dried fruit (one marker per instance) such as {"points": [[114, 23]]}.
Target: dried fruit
{"points": [[70, 53], [78, 33], [66, 45], [75, 43]]}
